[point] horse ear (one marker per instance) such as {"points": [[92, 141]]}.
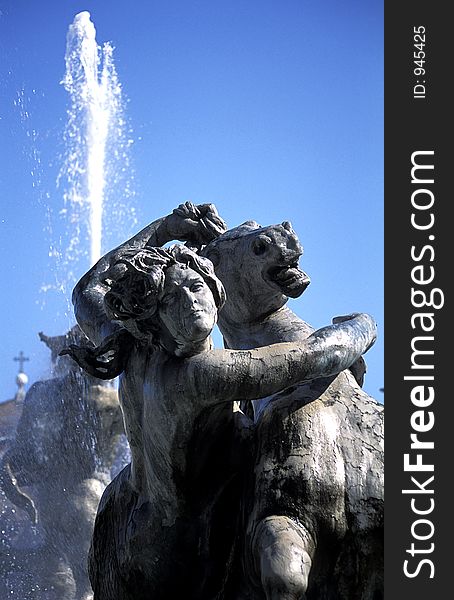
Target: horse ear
{"points": [[213, 255], [251, 225]]}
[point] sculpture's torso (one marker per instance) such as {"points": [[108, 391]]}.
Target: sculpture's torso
{"points": [[168, 513]]}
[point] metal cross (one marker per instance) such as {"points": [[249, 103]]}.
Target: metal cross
{"points": [[21, 359]]}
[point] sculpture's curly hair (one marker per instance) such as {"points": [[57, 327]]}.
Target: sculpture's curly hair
{"points": [[135, 282]]}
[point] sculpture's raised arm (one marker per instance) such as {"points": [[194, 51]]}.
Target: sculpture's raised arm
{"points": [[195, 224], [251, 374]]}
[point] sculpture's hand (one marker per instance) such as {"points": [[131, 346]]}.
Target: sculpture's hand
{"points": [[364, 324], [358, 368], [196, 224], [83, 355], [108, 360]]}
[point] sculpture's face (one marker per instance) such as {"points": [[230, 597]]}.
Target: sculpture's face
{"points": [[186, 306], [276, 250], [258, 267]]}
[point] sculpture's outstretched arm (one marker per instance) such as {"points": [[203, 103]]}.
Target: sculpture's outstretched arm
{"points": [[250, 374], [196, 225]]}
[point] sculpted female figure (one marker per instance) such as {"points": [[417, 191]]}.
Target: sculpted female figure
{"points": [[161, 523]]}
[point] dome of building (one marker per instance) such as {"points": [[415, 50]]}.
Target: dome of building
{"points": [[21, 379]]}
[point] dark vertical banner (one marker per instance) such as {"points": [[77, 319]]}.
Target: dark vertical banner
{"points": [[419, 432]]}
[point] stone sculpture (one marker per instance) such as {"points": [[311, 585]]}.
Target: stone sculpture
{"points": [[163, 521], [315, 499], [65, 444]]}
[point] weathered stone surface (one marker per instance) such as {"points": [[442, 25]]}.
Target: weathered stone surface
{"points": [[315, 500], [169, 524]]}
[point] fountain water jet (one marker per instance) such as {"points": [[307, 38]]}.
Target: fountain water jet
{"points": [[95, 127]]}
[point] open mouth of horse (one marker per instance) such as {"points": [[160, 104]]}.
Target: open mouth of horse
{"points": [[289, 278]]}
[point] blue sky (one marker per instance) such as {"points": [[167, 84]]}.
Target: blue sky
{"points": [[271, 110]]}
